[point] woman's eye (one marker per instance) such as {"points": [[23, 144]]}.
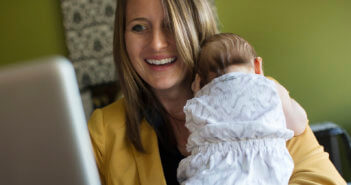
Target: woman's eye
{"points": [[138, 28]]}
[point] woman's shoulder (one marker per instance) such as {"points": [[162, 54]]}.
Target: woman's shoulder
{"points": [[114, 110], [312, 163], [112, 115]]}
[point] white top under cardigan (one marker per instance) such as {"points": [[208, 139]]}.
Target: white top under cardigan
{"points": [[238, 134]]}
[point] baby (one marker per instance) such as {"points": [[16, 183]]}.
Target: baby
{"points": [[239, 120]]}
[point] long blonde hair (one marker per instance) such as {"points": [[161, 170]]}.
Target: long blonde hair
{"points": [[192, 21]]}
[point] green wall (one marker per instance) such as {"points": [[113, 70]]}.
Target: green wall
{"points": [[305, 45], [30, 29]]}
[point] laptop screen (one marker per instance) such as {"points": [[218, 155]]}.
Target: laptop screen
{"points": [[44, 138]]}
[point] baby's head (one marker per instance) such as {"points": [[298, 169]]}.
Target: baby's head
{"points": [[223, 53]]}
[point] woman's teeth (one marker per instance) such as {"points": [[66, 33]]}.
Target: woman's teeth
{"points": [[160, 62]]}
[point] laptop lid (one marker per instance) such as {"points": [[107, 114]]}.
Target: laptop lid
{"points": [[43, 132]]}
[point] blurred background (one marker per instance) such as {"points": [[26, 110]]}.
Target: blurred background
{"points": [[305, 45]]}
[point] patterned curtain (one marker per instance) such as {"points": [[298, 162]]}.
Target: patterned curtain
{"points": [[89, 34]]}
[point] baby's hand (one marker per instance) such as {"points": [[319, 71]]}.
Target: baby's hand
{"points": [[195, 86]]}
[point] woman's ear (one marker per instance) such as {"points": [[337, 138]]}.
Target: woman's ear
{"points": [[258, 65]]}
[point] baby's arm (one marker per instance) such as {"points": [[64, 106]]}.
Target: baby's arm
{"points": [[295, 115]]}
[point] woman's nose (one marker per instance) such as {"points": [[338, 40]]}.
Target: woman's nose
{"points": [[159, 40]]}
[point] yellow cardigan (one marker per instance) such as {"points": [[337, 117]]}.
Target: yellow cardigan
{"points": [[121, 164]]}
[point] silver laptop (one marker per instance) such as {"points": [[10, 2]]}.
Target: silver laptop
{"points": [[44, 138]]}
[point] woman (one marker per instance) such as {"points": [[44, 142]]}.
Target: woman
{"points": [[141, 138]]}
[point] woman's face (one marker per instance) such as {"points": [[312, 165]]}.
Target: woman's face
{"points": [[151, 46]]}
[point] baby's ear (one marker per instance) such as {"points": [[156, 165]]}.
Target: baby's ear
{"points": [[258, 65], [195, 86]]}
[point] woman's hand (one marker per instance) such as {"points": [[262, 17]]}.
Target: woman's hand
{"points": [[295, 115]]}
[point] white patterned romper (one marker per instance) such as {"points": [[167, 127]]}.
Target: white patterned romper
{"points": [[238, 134]]}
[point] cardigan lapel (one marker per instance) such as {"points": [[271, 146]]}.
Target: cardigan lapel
{"points": [[149, 164]]}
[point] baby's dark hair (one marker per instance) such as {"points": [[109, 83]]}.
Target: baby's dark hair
{"points": [[219, 52]]}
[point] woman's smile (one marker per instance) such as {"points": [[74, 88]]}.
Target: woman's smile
{"points": [[160, 63]]}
